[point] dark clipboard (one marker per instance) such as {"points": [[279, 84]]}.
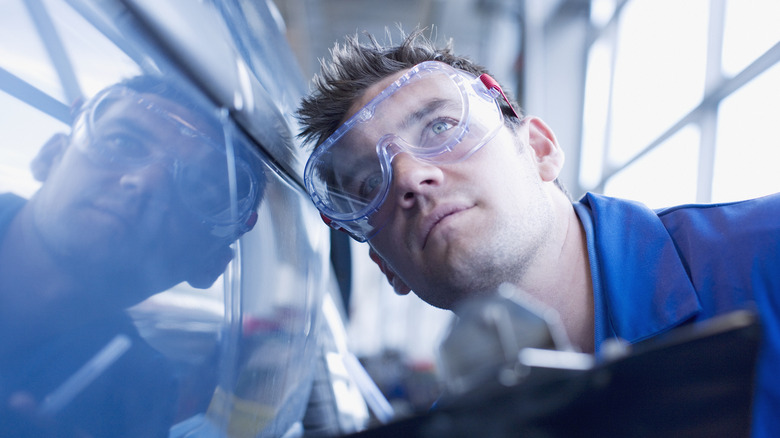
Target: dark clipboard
{"points": [[694, 381]]}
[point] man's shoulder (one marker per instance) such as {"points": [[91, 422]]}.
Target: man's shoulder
{"points": [[747, 223], [751, 220], [10, 204], [762, 207], [736, 209]]}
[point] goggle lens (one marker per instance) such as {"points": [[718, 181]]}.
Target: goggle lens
{"points": [[144, 133], [434, 112]]}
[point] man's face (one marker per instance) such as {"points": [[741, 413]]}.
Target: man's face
{"points": [[418, 117], [458, 229], [118, 201], [433, 111]]}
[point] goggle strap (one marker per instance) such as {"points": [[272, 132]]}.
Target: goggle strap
{"points": [[251, 221], [334, 225], [492, 84], [329, 222]]}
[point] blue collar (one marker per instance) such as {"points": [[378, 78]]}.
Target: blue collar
{"points": [[640, 285]]}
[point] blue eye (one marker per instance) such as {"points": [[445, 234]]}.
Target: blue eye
{"points": [[430, 136], [441, 126], [370, 185]]}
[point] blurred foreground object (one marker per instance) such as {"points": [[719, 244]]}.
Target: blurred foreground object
{"points": [[695, 381]]}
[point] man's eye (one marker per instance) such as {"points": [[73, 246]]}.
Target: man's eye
{"points": [[370, 184], [430, 135], [125, 146], [440, 126]]}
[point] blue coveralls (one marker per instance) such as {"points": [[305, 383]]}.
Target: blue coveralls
{"points": [[654, 270]]}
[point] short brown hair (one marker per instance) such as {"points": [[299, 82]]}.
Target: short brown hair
{"points": [[356, 66]]}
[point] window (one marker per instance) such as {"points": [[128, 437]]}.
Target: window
{"points": [[681, 101]]}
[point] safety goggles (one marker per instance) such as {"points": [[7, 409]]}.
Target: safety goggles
{"points": [[146, 133], [434, 112]]}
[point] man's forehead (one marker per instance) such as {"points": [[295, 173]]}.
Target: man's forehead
{"points": [[413, 94], [371, 92], [162, 118], [152, 110]]}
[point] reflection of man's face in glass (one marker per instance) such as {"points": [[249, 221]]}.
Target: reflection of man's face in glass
{"points": [[127, 193]]}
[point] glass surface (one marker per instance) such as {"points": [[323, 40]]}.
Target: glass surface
{"points": [[659, 70], [25, 128], [25, 57], [747, 151], [601, 11], [158, 277], [663, 177], [84, 44]]}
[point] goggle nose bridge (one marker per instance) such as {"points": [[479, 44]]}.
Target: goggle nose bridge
{"points": [[391, 145], [388, 147]]}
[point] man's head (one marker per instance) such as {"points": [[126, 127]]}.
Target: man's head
{"points": [[434, 112], [356, 66], [141, 191], [472, 214]]}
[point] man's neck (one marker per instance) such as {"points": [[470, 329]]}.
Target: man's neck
{"points": [[562, 278], [31, 278]]}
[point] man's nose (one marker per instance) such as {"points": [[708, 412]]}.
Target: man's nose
{"points": [[151, 179], [414, 179]]}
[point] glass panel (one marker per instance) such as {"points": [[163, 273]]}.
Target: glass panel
{"points": [[115, 220], [280, 302], [84, 44], [258, 30], [25, 129], [644, 180], [601, 11], [750, 30], [245, 353], [659, 71], [747, 152], [26, 56], [128, 306]]}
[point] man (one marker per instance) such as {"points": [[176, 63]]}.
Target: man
{"points": [[136, 199], [423, 157]]}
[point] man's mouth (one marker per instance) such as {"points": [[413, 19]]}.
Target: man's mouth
{"points": [[119, 214], [435, 217]]}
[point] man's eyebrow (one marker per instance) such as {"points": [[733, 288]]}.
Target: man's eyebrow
{"points": [[415, 116], [131, 124], [154, 128]]}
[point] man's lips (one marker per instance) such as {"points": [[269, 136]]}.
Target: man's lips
{"points": [[118, 212], [434, 217]]}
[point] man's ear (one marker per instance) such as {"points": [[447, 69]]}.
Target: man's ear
{"points": [[48, 156], [398, 285], [548, 154], [203, 275]]}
